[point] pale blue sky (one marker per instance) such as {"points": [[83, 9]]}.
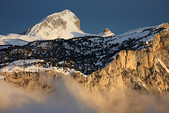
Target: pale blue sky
{"points": [[95, 15]]}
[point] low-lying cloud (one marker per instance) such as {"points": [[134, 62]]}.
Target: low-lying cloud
{"points": [[70, 97], [18, 100]]}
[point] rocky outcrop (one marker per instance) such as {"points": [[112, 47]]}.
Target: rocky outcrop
{"points": [[106, 33], [144, 70]]}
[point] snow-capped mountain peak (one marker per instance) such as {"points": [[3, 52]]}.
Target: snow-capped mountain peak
{"points": [[106, 33], [64, 24]]}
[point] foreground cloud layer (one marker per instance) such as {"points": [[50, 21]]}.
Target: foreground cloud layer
{"points": [[17, 100], [71, 97]]}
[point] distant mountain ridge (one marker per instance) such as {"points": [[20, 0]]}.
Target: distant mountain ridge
{"points": [[85, 54]]}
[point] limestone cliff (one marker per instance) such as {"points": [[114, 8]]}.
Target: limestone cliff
{"points": [[144, 70], [44, 81]]}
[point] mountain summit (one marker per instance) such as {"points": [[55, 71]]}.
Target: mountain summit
{"points": [[64, 24], [106, 33]]}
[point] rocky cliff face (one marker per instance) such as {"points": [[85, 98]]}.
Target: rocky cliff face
{"points": [[144, 70], [43, 81]]}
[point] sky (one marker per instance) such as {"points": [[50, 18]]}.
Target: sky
{"points": [[95, 15]]}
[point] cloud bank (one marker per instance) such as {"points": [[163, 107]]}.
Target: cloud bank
{"points": [[71, 97]]}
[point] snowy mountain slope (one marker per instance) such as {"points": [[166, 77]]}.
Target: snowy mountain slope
{"points": [[32, 65], [16, 39], [20, 40], [64, 24], [85, 54]]}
